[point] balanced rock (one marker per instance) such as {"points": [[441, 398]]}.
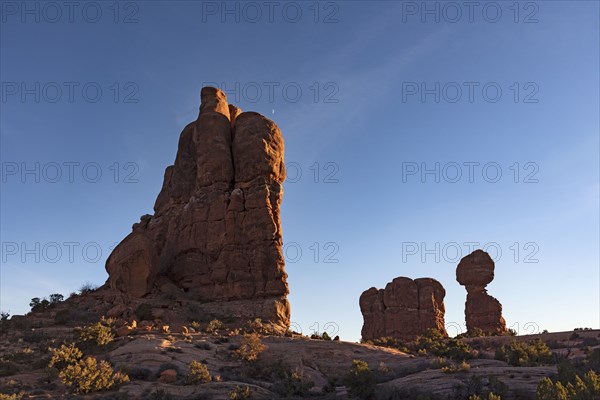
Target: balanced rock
{"points": [[482, 311], [405, 309], [215, 236]]}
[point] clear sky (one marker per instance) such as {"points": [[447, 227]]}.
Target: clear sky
{"points": [[412, 129]]}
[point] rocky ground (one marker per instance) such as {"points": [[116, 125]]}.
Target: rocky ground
{"points": [[156, 355]]}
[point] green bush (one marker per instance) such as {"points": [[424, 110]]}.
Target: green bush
{"points": [[100, 332], [198, 374], [360, 380], [523, 354], [56, 298], [586, 388], [38, 304]]}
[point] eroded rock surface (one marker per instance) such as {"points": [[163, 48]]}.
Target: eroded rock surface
{"points": [[215, 235], [405, 309], [482, 311]]}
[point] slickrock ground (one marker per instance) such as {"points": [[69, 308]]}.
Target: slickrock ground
{"points": [[148, 350]]}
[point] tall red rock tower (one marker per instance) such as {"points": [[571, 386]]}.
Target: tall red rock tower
{"points": [[215, 236]]}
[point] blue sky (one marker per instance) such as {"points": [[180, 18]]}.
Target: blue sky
{"points": [[369, 97]]}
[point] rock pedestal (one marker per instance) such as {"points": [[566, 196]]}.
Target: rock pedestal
{"points": [[482, 311], [215, 235], [403, 310]]}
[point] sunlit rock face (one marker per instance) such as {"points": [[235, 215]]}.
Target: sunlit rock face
{"points": [[482, 311], [215, 235], [405, 309]]}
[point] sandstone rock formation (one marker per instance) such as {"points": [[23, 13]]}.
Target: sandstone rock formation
{"points": [[405, 309], [482, 311], [215, 235]]}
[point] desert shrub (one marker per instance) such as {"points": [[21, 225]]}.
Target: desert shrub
{"points": [[65, 355], [13, 396], [533, 353], [434, 343], [56, 298], [4, 322], [586, 387], [240, 393], [84, 374], [214, 326], [250, 348], [38, 305], [87, 287], [294, 383], [511, 332], [462, 367], [100, 332], [198, 374], [195, 325], [548, 390], [89, 375], [144, 312], [360, 380], [439, 362]]}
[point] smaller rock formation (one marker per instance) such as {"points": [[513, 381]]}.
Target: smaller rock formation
{"points": [[482, 311], [405, 309]]}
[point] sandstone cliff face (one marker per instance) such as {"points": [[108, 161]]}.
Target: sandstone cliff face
{"points": [[482, 311], [215, 235], [405, 309]]}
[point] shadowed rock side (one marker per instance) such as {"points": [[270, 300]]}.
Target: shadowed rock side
{"points": [[482, 311], [215, 234], [405, 309]]}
